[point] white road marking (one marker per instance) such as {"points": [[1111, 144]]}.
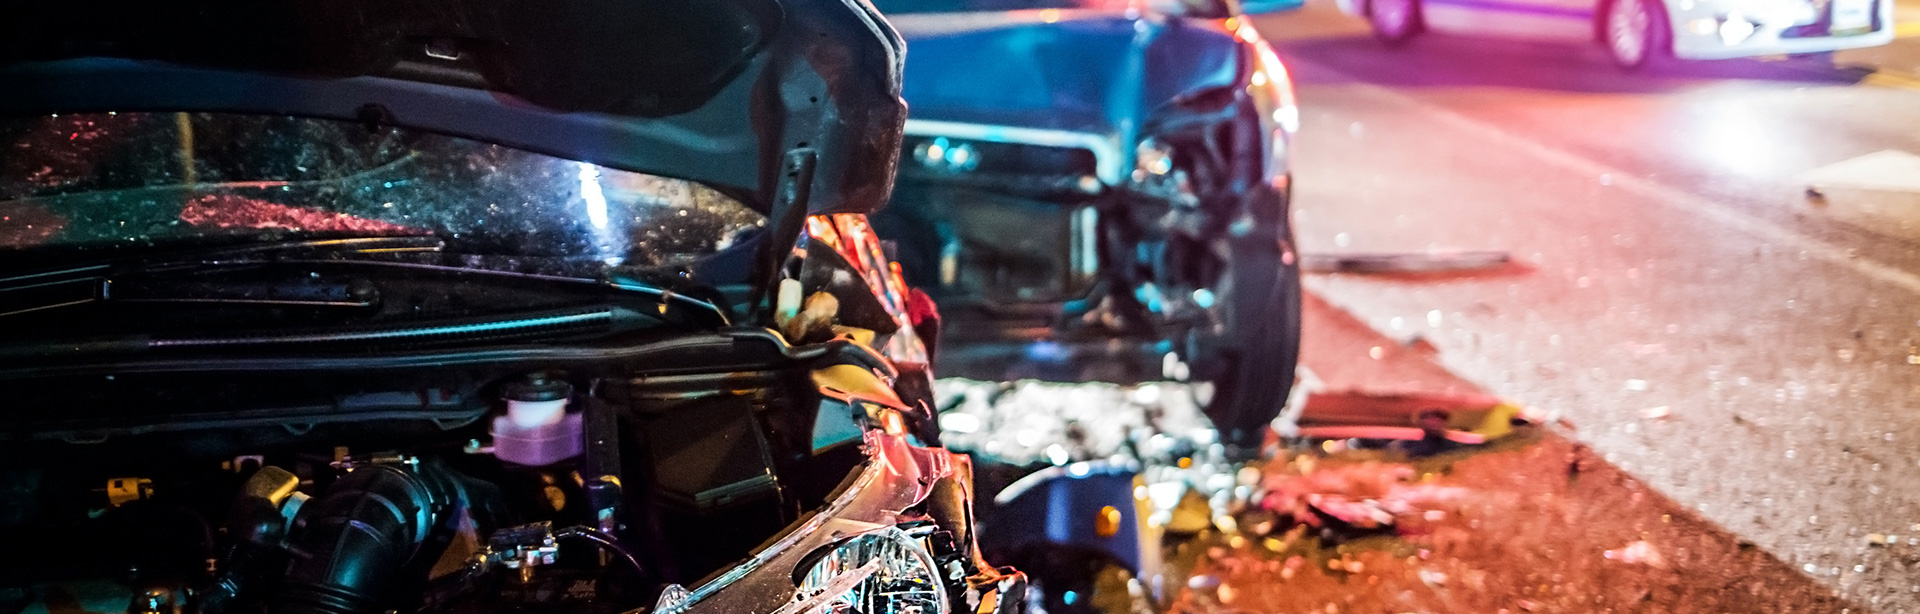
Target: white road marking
{"points": [[1666, 196], [1890, 170], [1879, 192]]}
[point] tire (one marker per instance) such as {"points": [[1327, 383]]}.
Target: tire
{"points": [[1634, 32], [1255, 370], [1394, 21]]}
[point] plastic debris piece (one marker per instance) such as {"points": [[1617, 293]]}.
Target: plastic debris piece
{"points": [[1656, 413], [1191, 515], [1638, 553], [1363, 513]]}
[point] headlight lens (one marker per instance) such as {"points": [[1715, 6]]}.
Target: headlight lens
{"points": [[1151, 158], [944, 154], [879, 573]]}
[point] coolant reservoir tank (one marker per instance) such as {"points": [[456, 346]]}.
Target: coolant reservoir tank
{"points": [[537, 430]]}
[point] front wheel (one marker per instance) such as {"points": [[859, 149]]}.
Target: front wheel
{"points": [[1255, 372], [1634, 32], [1394, 21]]}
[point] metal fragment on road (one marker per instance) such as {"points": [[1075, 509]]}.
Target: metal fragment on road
{"points": [[1427, 262]]}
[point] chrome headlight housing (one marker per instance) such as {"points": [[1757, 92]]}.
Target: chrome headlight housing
{"points": [[885, 572]]}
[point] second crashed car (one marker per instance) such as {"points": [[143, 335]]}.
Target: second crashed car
{"points": [[1098, 190]]}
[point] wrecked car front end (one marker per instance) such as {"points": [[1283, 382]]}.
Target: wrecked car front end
{"points": [[360, 308], [1098, 194]]}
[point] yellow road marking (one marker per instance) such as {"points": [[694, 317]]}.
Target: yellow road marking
{"points": [[1892, 79]]}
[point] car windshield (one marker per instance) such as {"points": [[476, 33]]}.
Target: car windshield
{"points": [[110, 182], [895, 7]]}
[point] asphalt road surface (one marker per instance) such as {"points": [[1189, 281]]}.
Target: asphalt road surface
{"points": [[1702, 320]]}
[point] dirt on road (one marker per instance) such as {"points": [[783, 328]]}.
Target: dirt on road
{"points": [[1532, 523]]}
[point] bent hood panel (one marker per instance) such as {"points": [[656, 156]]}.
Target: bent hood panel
{"points": [[1085, 71], [716, 91]]}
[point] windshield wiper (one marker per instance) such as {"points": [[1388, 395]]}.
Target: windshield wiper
{"points": [[81, 284]]}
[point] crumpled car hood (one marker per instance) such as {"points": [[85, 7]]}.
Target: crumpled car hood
{"points": [[715, 91], [1084, 71]]}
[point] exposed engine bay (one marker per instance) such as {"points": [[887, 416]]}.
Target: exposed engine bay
{"points": [[583, 487]]}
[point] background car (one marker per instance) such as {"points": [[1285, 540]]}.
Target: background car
{"points": [[353, 307], [1635, 31]]}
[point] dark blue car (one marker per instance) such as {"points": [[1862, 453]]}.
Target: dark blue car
{"points": [[1098, 190]]}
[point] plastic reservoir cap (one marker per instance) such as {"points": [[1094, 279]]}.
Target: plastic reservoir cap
{"points": [[535, 388], [537, 400]]}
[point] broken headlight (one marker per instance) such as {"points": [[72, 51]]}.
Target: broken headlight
{"points": [[1155, 175], [886, 572], [1151, 158]]}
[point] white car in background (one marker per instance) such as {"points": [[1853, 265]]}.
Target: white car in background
{"points": [[1634, 31]]}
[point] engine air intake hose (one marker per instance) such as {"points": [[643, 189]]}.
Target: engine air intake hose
{"points": [[350, 544]]}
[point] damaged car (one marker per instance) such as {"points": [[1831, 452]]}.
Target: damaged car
{"points": [[366, 307], [1097, 190]]}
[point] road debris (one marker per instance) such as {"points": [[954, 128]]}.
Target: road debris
{"points": [[1427, 262], [1489, 531], [1638, 553]]}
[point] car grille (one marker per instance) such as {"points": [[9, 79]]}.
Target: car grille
{"points": [[934, 154]]}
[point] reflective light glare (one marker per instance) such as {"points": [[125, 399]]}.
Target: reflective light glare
{"points": [[959, 155], [590, 192], [959, 423], [944, 154], [596, 199], [1703, 26], [1288, 117], [1203, 297], [1733, 137], [1058, 455], [1735, 29]]}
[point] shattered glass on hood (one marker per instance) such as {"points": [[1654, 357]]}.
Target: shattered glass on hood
{"points": [[133, 180]]}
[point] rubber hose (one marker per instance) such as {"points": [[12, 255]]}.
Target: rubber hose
{"points": [[349, 545]]}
